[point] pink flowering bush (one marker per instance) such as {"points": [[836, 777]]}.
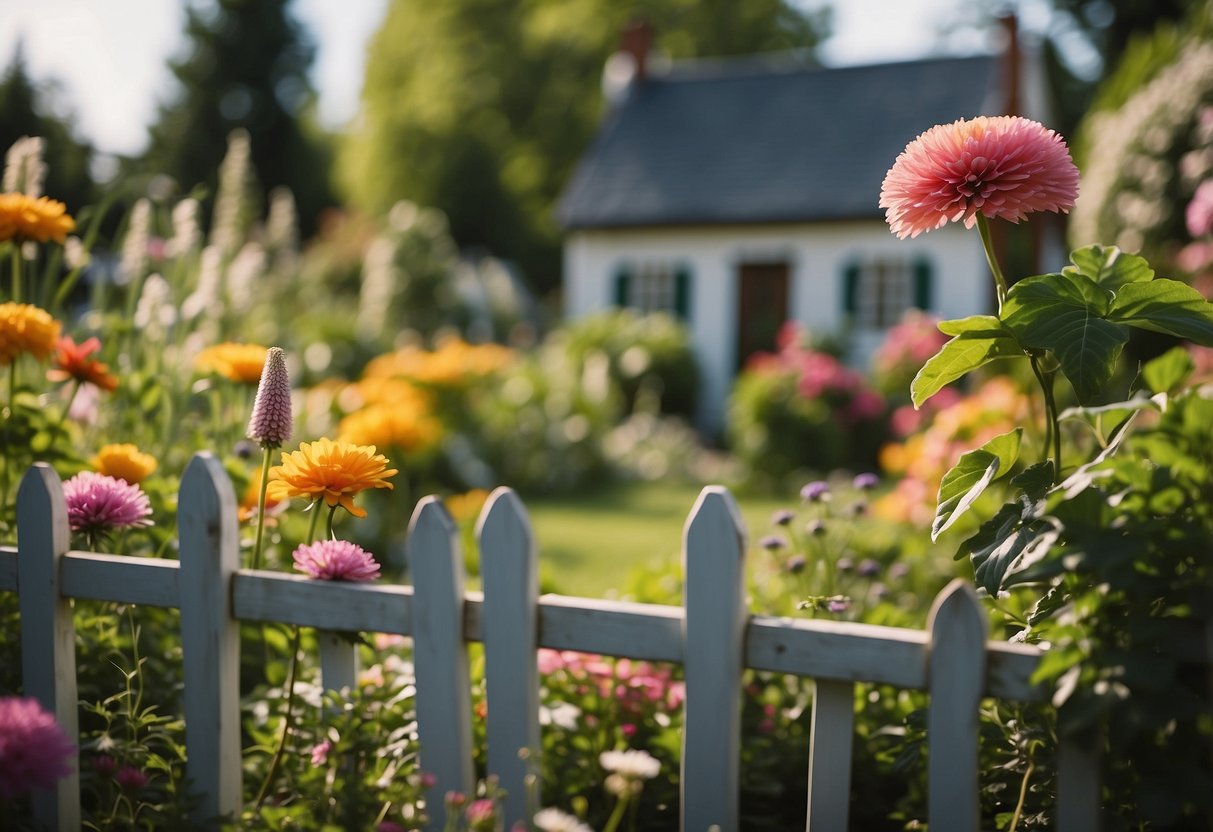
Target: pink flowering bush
{"points": [[34, 751]]}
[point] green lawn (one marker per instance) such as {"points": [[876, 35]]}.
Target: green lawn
{"points": [[590, 542]]}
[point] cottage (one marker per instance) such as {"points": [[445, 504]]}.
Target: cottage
{"points": [[743, 193]]}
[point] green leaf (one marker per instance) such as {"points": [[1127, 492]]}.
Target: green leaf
{"points": [[1007, 543], [1036, 480], [974, 323], [1109, 267], [970, 476], [1065, 315], [960, 356], [1166, 306], [1169, 370]]}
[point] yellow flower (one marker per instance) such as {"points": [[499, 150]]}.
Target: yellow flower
{"points": [[455, 362], [467, 506], [238, 362], [384, 425], [125, 462], [332, 471], [26, 218], [26, 328]]}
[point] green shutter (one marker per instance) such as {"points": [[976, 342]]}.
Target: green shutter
{"points": [[682, 293], [850, 289], [923, 288], [622, 278]]}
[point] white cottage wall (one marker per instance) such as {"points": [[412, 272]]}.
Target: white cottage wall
{"points": [[817, 256]]}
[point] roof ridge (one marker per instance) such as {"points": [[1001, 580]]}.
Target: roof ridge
{"points": [[783, 62]]}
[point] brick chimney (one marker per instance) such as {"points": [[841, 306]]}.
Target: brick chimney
{"points": [[637, 40]]}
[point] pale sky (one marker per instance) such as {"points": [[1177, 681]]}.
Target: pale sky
{"points": [[109, 57]]}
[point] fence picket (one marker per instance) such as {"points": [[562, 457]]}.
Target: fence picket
{"points": [[48, 633], [1078, 782], [510, 574], [210, 638], [714, 633], [832, 736], [956, 670], [338, 660], [444, 705]]}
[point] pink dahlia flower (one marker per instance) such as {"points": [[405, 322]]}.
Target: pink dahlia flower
{"points": [[34, 751], [336, 560], [1002, 166], [97, 504]]}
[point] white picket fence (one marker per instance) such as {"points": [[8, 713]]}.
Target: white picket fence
{"points": [[713, 636]]}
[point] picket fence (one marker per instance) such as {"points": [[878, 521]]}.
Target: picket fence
{"points": [[713, 636]]}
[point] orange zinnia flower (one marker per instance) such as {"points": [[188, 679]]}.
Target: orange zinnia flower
{"points": [[124, 462], [26, 328], [332, 471], [26, 218], [72, 361], [241, 363]]}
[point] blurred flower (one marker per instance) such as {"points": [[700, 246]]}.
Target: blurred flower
{"points": [[454, 800], [632, 764], [241, 363], [838, 604], [554, 820], [796, 564], [815, 492], [320, 752], [247, 509], [868, 568], [782, 517], [773, 542], [130, 779], [27, 218], [270, 423], [453, 363], [105, 765], [72, 362], [387, 426], [465, 507], [334, 471], [389, 826], [866, 481], [1199, 213], [97, 504], [26, 329], [1000, 167], [481, 815], [815, 527], [336, 560], [34, 751], [24, 169], [124, 462]]}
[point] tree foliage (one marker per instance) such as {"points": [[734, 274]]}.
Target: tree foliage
{"points": [[481, 108]]}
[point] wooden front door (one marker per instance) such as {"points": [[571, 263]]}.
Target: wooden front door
{"points": [[762, 307]]}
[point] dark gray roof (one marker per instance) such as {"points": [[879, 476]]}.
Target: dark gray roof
{"points": [[740, 142]]}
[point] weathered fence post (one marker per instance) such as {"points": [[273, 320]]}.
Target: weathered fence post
{"points": [[510, 625], [210, 638], [338, 660], [444, 704], [956, 677], [713, 555], [48, 633], [831, 738], [1078, 780]]}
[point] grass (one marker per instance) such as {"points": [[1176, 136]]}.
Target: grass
{"points": [[590, 542]]}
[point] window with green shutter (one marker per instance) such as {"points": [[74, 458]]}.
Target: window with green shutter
{"points": [[877, 291]]}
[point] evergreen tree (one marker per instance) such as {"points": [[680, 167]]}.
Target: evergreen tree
{"points": [[246, 67], [482, 107]]}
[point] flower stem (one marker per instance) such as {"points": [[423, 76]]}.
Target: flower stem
{"points": [[17, 269], [265, 481], [332, 512], [12, 411], [1023, 794], [311, 529], [616, 816], [286, 720], [1053, 425], [983, 228]]}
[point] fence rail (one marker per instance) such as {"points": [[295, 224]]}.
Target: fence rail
{"points": [[713, 636]]}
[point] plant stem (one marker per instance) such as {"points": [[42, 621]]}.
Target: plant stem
{"points": [[1023, 794], [12, 411], [17, 269], [332, 512], [265, 481], [286, 720], [616, 816], [983, 228], [311, 529], [1053, 426]]}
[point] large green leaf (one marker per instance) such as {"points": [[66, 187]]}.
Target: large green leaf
{"points": [[978, 340], [1065, 314], [1166, 306], [1109, 267], [1169, 370], [962, 485]]}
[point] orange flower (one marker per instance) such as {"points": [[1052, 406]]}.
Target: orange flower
{"points": [[26, 328], [241, 363], [26, 218], [124, 462], [247, 510], [72, 361], [383, 425], [334, 471]]}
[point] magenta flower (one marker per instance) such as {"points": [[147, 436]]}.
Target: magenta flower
{"points": [[270, 423], [481, 815], [98, 504], [336, 560], [320, 752], [130, 779], [1003, 166], [35, 753]]}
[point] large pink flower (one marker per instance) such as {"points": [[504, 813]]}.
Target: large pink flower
{"points": [[1002, 166], [336, 560], [97, 504], [34, 751]]}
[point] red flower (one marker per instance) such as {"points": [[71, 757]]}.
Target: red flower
{"points": [[72, 361]]}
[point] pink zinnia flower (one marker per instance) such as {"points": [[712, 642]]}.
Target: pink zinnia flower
{"points": [[336, 560], [97, 504], [130, 779], [34, 751], [1003, 166], [270, 423]]}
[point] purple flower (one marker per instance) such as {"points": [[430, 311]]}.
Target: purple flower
{"points": [[898, 571], [389, 826], [795, 564], [130, 779], [815, 528], [844, 564], [866, 481], [336, 560], [270, 423], [838, 604], [320, 752], [97, 504], [782, 517], [815, 491], [34, 751], [868, 568], [773, 542]]}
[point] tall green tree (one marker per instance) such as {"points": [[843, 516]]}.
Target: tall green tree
{"points": [[481, 107], [26, 109], [246, 66]]}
